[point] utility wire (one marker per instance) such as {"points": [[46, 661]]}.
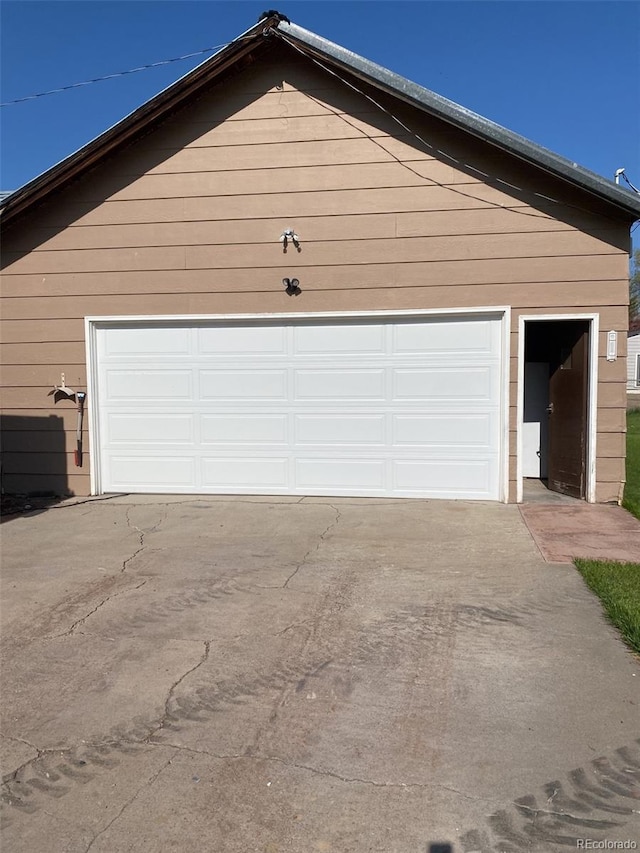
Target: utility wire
{"points": [[635, 189], [421, 140], [112, 76]]}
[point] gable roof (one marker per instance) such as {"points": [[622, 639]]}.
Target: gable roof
{"points": [[333, 58]]}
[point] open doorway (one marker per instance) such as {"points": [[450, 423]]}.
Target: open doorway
{"points": [[555, 424]]}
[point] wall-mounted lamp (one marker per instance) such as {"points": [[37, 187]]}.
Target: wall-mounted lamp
{"points": [[290, 236], [292, 286]]}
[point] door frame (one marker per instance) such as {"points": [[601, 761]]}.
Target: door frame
{"points": [[92, 323], [592, 396]]}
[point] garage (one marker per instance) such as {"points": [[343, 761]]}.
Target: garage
{"points": [[386, 406]]}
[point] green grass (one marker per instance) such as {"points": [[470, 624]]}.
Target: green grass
{"points": [[618, 584], [618, 587], [631, 500]]}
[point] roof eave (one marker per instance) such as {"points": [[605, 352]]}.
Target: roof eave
{"points": [[464, 119]]}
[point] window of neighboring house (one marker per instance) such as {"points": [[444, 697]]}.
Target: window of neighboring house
{"points": [[638, 369]]}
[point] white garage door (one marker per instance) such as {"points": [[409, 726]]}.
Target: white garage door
{"points": [[402, 408]]}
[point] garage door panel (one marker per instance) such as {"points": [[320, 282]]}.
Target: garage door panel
{"points": [[164, 428], [152, 472], [405, 408], [242, 341], [446, 430], [466, 385], [246, 472], [451, 477], [244, 428], [149, 385], [245, 385], [340, 384], [147, 343], [344, 429], [363, 475], [352, 339], [445, 338]]}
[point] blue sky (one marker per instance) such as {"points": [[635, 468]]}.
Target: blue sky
{"points": [[564, 74]]}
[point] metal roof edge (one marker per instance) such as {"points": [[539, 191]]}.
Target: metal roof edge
{"points": [[464, 118]]}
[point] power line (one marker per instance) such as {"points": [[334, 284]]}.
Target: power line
{"points": [[635, 189], [423, 142], [112, 76]]}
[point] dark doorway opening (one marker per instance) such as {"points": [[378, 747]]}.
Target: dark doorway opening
{"points": [[556, 395]]}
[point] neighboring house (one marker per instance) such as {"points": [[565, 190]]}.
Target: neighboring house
{"points": [[633, 360], [455, 281]]}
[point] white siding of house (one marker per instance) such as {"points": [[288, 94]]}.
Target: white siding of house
{"points": [[633, 354]]}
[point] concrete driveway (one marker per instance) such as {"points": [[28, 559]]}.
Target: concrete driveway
{"points": [[195, 674]]}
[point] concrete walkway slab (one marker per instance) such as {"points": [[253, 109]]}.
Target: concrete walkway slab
{"points": [[185, 674], [592, 531]]}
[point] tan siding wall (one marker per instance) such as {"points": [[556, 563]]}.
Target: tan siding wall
{"points": [[492, 234], [461, 278], [188, 220], [69, 307], [336, 253]]}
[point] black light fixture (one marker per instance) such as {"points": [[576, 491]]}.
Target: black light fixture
{"points": [[292, 286]]}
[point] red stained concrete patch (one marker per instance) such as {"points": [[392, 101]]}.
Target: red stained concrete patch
{"points": [[565, 531]]}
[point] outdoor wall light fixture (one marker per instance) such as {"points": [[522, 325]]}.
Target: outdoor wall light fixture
{"points": [[289, 236], [292, 286]]}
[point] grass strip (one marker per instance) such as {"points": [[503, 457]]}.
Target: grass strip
{"points": [[618, 587], [631, 500]]}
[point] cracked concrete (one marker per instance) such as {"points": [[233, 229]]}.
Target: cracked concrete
{"points": [[306, 674], [129, 802], [316, 547], [167, 705], [93, 610]]}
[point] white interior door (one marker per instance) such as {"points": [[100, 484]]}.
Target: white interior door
{"points": [[535, 426]]}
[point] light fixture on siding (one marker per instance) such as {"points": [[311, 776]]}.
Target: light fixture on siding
{"points": [[292, 286], [290, 236]]}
